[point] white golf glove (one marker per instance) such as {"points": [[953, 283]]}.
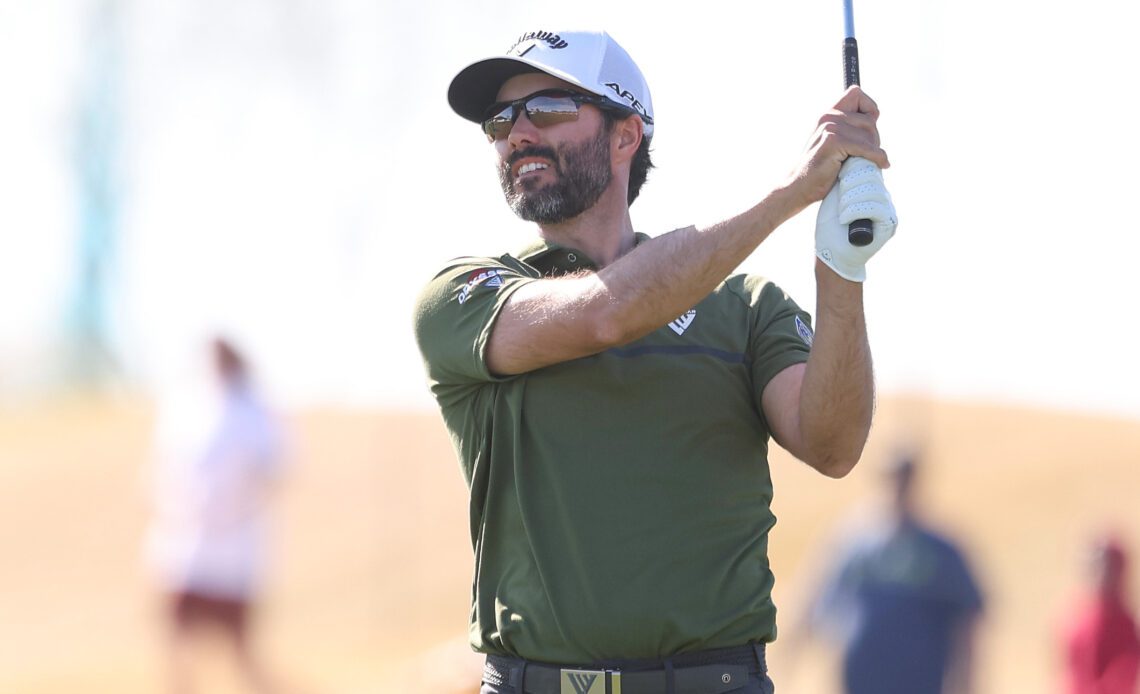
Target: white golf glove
{"points": [[858, 194]]}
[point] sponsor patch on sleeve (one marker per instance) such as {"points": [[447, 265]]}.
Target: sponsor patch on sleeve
{"points": [[804, 331], [491, 278]]}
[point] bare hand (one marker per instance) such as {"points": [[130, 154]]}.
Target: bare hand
{"points": [[847, 130]]}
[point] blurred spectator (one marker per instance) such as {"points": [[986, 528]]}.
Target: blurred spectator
{"points": [[902, 602], [218, 453], [1101, 648]]}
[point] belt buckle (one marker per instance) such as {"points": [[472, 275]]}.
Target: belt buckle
{"points": [[590, 681]]}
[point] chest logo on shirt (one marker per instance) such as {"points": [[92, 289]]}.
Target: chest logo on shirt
{"points": [[682, 324], [490, 277]]}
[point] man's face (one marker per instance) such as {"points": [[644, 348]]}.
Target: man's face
{"points": [[552, 174]]}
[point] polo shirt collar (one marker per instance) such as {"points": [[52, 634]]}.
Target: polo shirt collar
{"points": [[554, 259]]}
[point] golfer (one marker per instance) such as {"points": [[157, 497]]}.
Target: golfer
{"points": [[611, 396]]}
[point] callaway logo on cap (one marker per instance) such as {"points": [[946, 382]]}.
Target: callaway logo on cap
{"points": [[590, 60]]}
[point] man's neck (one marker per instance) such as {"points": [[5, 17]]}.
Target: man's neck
{"points": [[604, 232]]}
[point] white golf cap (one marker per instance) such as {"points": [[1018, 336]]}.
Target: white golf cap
{"points": [[591, 60]]}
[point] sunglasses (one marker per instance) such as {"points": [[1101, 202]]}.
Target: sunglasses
{"points": [[544, 108]]}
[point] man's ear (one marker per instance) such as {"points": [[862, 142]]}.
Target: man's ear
{"points": [[628, 135]]}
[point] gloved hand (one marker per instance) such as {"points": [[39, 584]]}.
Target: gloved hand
{"points": [[858, 194]]}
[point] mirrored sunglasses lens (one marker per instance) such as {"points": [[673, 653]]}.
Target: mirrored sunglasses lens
{"points": [[549, 110], [498, 126]]}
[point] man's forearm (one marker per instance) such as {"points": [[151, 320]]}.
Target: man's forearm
{"points": [[555, 321], [661, 279], [838, 393]]}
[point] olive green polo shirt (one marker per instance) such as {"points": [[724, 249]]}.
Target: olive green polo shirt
{"points": [[620, 503]]}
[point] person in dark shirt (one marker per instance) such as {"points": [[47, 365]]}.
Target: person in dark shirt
{"points": [[903, 602]]}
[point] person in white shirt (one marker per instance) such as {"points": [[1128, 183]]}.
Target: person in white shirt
{"points": [[218, 453]]}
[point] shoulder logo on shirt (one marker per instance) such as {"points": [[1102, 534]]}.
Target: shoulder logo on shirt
{"points": [[489, 277], [682, 324], [805, 332]]}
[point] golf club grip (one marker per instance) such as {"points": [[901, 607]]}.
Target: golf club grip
{"points": [[859, 232]]}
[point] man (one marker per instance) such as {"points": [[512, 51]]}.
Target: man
{"points": [[610, 396], [903, 602]]}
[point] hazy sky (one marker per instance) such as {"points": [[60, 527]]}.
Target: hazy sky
{"points": [[290, 172]]}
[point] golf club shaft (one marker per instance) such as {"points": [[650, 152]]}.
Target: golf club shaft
{"points": [[859, 232]]}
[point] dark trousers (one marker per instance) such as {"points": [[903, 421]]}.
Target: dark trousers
{"points": [[741, 670]]}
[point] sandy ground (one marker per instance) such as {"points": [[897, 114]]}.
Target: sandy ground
{"points": [[371, 580]]}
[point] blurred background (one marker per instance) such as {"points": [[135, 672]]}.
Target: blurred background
{"points": [[287, 174]]}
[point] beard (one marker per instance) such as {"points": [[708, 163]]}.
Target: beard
{"points": [[582, 173]]}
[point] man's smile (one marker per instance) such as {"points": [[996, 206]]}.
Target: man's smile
{"points": [[528, 166]]}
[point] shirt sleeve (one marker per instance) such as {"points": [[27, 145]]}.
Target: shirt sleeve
{"points": [[781, 333], [454, 315], [959, 587]]}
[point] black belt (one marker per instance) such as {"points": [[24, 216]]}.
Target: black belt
{"points": [[705, 672]]}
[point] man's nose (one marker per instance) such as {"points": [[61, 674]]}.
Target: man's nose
{"points": [[523, 132]]}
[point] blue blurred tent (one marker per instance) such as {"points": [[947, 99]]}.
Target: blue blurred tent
{"points": [[87, 353]]}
